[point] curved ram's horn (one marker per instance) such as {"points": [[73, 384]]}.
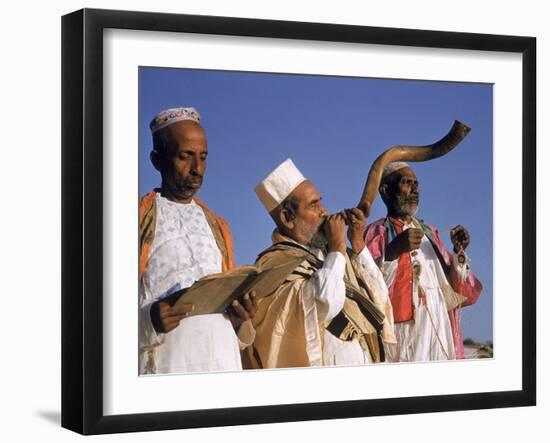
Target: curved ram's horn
{"points": [[411, 154]]}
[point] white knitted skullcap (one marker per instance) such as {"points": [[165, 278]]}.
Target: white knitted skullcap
{"points": [[279, 184], [392, 167], [169, 116]]}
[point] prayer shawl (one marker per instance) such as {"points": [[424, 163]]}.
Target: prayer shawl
{"points": [[147, 224], [382, 232], [288, 331]]}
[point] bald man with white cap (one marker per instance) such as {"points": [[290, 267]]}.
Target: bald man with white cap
{"points": [[317, 317]]}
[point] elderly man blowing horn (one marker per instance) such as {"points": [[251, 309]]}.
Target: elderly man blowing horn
{"points": [[334, 308], [427, 285]]}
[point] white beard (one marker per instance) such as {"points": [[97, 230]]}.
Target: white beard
{"points": [[401, 207]]}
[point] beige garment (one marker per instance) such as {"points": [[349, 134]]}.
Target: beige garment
{"points": [[289, 331]]}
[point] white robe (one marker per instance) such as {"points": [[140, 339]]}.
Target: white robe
{"points": [[324, 294], [183, 251], [428, 336]]}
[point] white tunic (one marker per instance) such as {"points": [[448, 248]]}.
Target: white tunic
{"points": [[183, 251], [324, 294], [428, 336]]}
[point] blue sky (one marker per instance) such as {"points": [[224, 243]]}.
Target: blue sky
{"points": [[333, 128]]}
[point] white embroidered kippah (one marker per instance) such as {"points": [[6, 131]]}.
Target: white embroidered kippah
{"points": [[279, 184], [173, 115], [392, 167]]}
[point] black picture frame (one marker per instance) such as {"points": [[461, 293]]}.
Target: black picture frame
{"points": [[82, 219]]}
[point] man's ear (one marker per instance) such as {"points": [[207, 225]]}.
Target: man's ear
{"points": [[156, 159], [384, 191], [286, 219]]}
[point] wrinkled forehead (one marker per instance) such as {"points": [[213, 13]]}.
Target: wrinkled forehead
{"points": [[405, 172], [183, 133], [395, 177], [184, 130], [306, 192]]}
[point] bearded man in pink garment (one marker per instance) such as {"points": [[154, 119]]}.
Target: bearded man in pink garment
{"points": [[427, 284]]}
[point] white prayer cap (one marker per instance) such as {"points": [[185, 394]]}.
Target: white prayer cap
{"points": [[392, 167], [173, 115], [279, 184]]}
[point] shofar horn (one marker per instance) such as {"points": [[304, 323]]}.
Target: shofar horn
{"points": [[411, 154]]}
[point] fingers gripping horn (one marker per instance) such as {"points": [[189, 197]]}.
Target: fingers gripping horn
{"points": [[410, 154]]}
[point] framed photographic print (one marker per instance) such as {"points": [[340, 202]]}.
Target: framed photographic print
{"points": [[170, 121]]}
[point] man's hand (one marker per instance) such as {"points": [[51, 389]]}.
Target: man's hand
{"points": [[335, 231], [243, 309], [166, 317], [355, 219], [405, 242], [460, 237]]}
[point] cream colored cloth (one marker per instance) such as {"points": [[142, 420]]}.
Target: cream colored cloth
{"points": [[183, 251], [290, 324]]}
